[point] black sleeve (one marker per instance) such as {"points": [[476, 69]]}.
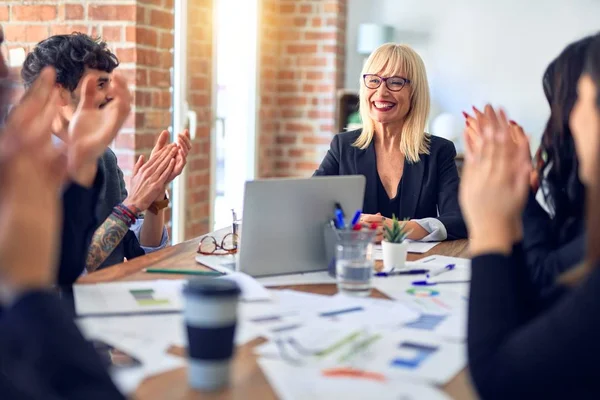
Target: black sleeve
{"points": [[546, 259], [79, 224], [44, 356], [448, 181], [516, 352], [331, 163]]}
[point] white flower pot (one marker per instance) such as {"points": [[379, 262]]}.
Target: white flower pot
{"points": [[394, 255]]}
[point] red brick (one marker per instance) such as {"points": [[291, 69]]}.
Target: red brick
{"points": [[306, 166], [126, 55], [296, 153], [282, 164], [314, 61], [286, 74], [292, 101], [326, 128], [142, 15], [317, 22], [320, 35], [289, 35], [287, 87], [34, 13], [112, 12], [161, 99], [160, 78], [25, 33], [161, 19], [315, 75], [312, 140], [320, 114], [166, 40], [287, 8], [141, 35], [73, 11], [302, 48], [112, 33], [156, 119], [3, 13], [285, 139], [148, 57], [300, 21], [291, 113], [298, 128], [306, 9], [142, 99]]}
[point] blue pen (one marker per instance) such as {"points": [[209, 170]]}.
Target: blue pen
{"points": [[356, 218], [339, 216], [425, 283], [407, 272], [447, 268]]}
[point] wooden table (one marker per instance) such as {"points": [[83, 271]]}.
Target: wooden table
{"points": [[248, 381]]}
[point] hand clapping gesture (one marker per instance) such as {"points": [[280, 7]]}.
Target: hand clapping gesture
{"points": [[495, 183]]}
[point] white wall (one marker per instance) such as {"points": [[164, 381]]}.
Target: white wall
{"points": [[479, 51]]}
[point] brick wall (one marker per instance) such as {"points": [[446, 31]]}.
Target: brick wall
{"points": [[200, 34], [306, 38]]}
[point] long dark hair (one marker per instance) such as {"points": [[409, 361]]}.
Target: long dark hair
{"points": [[577, 275], [556, 157]]}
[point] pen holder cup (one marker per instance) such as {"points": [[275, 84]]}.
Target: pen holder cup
{"points": [[347, 244]]}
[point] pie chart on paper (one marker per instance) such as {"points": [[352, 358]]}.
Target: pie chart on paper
{"points": [[422, 292]]}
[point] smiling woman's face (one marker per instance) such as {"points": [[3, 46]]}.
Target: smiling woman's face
{"points": [[387, 106]]}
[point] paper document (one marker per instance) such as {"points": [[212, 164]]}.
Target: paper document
{"points": [[292, 382], [413, 247], [143, 297], [251, 289], [402, 354]]}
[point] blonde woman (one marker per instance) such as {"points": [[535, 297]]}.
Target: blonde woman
{"points": [[410, 173]]}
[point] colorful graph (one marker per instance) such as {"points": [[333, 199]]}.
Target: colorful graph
{"points": [[423, 292], [145, 297], [411, 355], [426, 322]]}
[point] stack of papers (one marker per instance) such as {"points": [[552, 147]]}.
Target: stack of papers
{"points": [[150, 297]]}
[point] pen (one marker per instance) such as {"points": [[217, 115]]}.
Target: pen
{"points": [[425, 283], [437, 272], [339, 215], [182, 272], [409, 272], [338, 206], [356, 217]]}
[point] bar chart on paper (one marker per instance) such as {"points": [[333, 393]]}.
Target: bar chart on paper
{"points": [[145, 298], [121, 298]]}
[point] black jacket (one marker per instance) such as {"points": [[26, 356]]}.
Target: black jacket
{"points": [[42, 353], [521, 348], [429, 188]]}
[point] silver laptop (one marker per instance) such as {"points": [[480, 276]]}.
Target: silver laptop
{"points": [[283, 222]]}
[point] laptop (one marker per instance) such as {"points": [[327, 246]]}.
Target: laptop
{"points": [[284, 219]]}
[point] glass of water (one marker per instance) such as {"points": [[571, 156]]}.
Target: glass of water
{"points": [[354, 262]]}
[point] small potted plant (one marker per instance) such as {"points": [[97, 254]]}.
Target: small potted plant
{"points": [[394, 245]]}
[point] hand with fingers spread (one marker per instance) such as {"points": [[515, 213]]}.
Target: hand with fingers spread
{"points": [[495, 184], [32, 172], [149, 178], [184, 145], [93, 128]]}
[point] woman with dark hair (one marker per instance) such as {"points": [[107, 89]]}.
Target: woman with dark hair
{"points": [[554, 238], [519, 347]]}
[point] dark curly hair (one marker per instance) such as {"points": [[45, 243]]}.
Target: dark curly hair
{"points": [[556, 156], [69, 55]]}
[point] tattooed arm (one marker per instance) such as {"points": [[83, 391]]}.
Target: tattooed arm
{"points": [[106, 238]]}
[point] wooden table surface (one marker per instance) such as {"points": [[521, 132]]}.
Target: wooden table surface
{"points": [[247, 381]]}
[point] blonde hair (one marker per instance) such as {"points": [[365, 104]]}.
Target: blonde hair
{"points": [[393, 59]]}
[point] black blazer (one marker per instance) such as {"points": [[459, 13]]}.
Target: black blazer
{"points": [[428, 186], [549, 253]]}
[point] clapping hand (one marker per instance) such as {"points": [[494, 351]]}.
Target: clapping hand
{"points": [[495, 183]]}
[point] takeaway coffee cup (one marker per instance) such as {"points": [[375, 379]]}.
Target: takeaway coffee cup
{"points": [[210, 316]]}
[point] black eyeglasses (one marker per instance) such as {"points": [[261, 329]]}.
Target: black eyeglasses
{"points": [[393, 83]]}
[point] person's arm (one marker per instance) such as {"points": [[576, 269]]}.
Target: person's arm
{"points": [[44, 356], [514, 354], [331, 163], [546, 260], [106, 238], [449, 224], [79, 221], [152, 234]]}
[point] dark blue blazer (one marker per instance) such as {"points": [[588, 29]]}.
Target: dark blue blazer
{"points": [[429, 188], [42, 353]]}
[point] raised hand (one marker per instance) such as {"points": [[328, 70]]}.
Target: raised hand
{"points": [[495, 183], [92, 127], [184, 145], [149, 178], [32, 171]]}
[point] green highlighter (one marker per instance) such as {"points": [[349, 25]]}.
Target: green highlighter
{"points": [[182, 272]]}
